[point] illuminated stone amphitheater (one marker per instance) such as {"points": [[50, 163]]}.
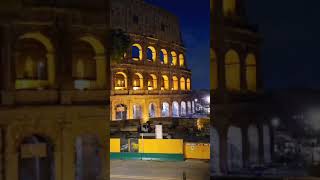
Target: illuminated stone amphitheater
{"points": [[153, 79]]}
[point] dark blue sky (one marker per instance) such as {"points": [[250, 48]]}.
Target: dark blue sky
{"points": [[194, 20], [291, 32]]}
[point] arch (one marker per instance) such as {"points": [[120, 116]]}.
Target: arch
{"points": [[87, 157], [36, 158], [232, 70], [214, 70], [165, 111], [152, 110], [151, 54], [95, 44], [181, 60], [215, 150], [40, 38], [137, 81], [189, 107], [188, 84], [193, 107], [163, 56], [152, 82], [251, 72], [175, 109], [136, 52], [182, 84], [266, 144], [165, 82], [120, 81], [229, 7], [174, 58], [137, 111], [183, 108], [175, 84], [253, 138], [234, 142], [121, 111]]}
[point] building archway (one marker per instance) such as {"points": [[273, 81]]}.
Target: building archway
{"points": [[183, 108], [232, 70], [234, 142], [175, 84], [182, 84], [151, 54], [188, 84], [137, 111], [165, 111], [229, 7], [165, 82], [174, 58], [152, 82], [152, 110], [175, 109], [163, 56], [120, 81], [215, 150], [137, 82], [181, 60], [266, 144], [189, 107], [36, 159], [253, 138], [251, 73], [121, 112], [136, 52]]}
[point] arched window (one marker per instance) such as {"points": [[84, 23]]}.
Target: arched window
{"points": [[152, 82], [175, 109], [163, 56], [232, 70], [174, 58], [189, 106], [214, 70], [121, 112], [234, 142], [175, 81], [183, 108], [188, 84], [229, 7], [120, 81], [137, 111], [137, 82], [165, 83], [182, 84], [251, 73], [181, 60], [152, 110], [165, 111], [136, 52], [151, 54]]}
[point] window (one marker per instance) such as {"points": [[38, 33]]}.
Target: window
{"points": [[232, 70]]}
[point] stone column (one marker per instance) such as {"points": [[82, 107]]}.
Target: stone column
{"points": [[223, 149], [101, 68]]}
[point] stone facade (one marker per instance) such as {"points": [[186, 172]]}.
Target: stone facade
{"points": [[153, 74], [54, 89]]}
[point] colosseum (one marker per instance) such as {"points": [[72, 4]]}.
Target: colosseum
{"points": [[153, 79]]}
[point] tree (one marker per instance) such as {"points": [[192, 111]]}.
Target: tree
{"points": [[120, 43]]}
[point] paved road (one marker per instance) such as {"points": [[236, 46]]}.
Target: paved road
{"points": [[154, 170]]}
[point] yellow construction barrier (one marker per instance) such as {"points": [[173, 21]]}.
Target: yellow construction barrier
{"points": [[114, 145], [197, 151], [162, 146]]}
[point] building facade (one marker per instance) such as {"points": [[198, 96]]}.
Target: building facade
{"points": [[54, 88], [241, 135], [153, 79]]}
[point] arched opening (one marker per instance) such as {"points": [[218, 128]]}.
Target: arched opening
{"points": [[214, 70], [229, 7], [181, 60], [234, 142], [215, 150], [121, 112], [137, 111], [136, 52], [137, 82], [83, 60], [174, 58], [152, 110], [151, 54], [36, 159], [251, 73], [232, 70], [163, 56], [175, 81], [183, 109], [88, 160], [175, 109], [182, 84], [189, 107], [165, 111], [164, 82], [193, 107], [253, 138], [152, 82], [188, 84], [120, 81], [266, 144]]}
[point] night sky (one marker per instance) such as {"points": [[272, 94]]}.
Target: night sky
{"points": [[291, 45], [194, 20]]}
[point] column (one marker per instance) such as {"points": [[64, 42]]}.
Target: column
{"points": [[101, 68]]}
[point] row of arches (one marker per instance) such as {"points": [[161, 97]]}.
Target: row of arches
{"points": [[151, 81], [176, 109], [233, 70], [165, 57], [236, 146], [35, 62]]}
